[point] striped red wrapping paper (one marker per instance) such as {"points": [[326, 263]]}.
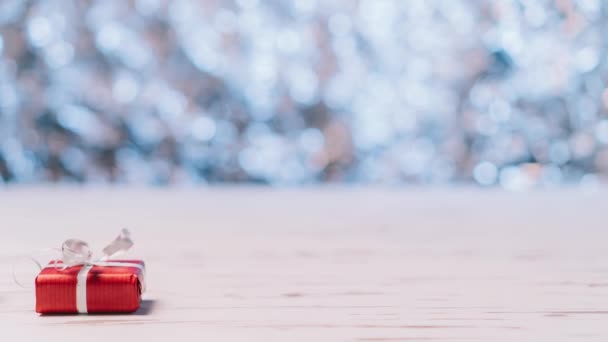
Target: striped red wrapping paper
{"points": [[109, 289]]}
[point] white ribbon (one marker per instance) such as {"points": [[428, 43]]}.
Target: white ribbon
{"points": [[77, 253]]}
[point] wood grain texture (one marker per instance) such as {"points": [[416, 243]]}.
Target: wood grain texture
{"points": [[258, 264]]}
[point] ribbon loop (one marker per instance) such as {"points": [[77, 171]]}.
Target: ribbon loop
{"points": [[75, 252], [121, 244]]}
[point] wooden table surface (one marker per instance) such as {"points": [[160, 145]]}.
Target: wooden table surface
{"points": [[334, 264]]}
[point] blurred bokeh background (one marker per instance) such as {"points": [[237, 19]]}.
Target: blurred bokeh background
{"points": [[507, 93]]}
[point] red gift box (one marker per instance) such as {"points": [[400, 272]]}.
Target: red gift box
{"points": [[104, 287]]}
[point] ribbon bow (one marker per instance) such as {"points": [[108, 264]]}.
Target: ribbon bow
{"points": [[77, 252]]}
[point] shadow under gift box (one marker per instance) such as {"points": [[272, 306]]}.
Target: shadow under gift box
{"points": [[109, 289]]}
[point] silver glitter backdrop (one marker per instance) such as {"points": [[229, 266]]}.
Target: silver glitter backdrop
{"points": [[491, 92]]}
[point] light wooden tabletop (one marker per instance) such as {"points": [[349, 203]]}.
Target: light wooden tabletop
{"points": [[256, 264]]}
